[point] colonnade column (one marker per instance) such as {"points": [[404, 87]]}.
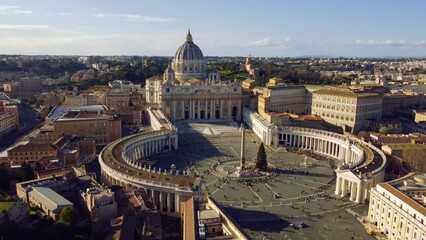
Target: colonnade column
{"points": [[338, 185], [212, 109], [169, 202], [161, 201], [199, 109], [174, 111], [182, 109], [221, 108], [205, 110], [345, 187], [353, 191], [177, 203], [359, 193]]}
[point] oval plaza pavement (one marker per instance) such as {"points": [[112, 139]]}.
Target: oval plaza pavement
{"points": [[361, 164]]}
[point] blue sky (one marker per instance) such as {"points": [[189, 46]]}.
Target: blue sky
{"points": [[222, 28]]}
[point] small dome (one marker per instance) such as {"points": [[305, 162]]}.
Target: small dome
{"points": [[189, 50]]}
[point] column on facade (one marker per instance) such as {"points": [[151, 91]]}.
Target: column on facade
{"points": [[229, 111], [169, 209], [212, 109], [221, 108], [353, 191], [191, 109], [344, 187], [154, 146], [338, 185], [199, 109], [348, 154], [153, 196], [161, 201], [182, 105], [205, 110], [174, 106], [177, 203], [239, 109], [359, 192], [147, 148]]}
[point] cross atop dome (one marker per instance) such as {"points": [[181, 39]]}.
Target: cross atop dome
{"points": [[189, 36]]}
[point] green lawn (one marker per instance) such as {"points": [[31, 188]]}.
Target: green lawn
{"points": [[5, 205]]}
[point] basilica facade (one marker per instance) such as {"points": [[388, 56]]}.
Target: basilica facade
{"points": [[189, 91]]}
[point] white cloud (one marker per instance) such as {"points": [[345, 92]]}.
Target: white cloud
{"points": [[260, 42], [420, 43], [13, 10], [374, 42], [279, 43], [23, 27], [136, 17]]}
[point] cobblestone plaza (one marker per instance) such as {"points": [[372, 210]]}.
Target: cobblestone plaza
{"points": [[299, 189]]}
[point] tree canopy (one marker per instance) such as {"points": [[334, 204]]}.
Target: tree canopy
{"points": [[261, 161], [68, 216], [4, 178], [27, 172]]}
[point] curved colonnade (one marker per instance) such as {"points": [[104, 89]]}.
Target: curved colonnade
{"points": [[361, 167], [120, 166]]}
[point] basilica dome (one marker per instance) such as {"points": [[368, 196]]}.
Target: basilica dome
{"points": [[189, 61], [189, 50]]}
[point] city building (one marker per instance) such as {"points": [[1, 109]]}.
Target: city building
{"points": [[384, 126], [204, 218], [7, 123], [85, 99], [209, 223], [124, 85], [282, 98], [23, 86], [100, 204], [61, 185], [186, 91], [401, 102], [101, 127], [9, 118], [347, 108], [58, 111], [420, 116], [129, 115], [31, 153], [50, 202], [398, 209], [118, 98], [412, 153], [17, 212], [397, 138]]}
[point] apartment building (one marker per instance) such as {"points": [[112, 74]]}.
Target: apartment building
{"points": [[347, 108], [398, 208], [103, 128], [284, 98]]}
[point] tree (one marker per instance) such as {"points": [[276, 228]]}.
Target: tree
{"points": [[38, 166], [4, 178], [68, 216], [261, 162], [27, 172]]}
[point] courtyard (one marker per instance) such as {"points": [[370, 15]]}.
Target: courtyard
{"points": [[298, 189]]}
